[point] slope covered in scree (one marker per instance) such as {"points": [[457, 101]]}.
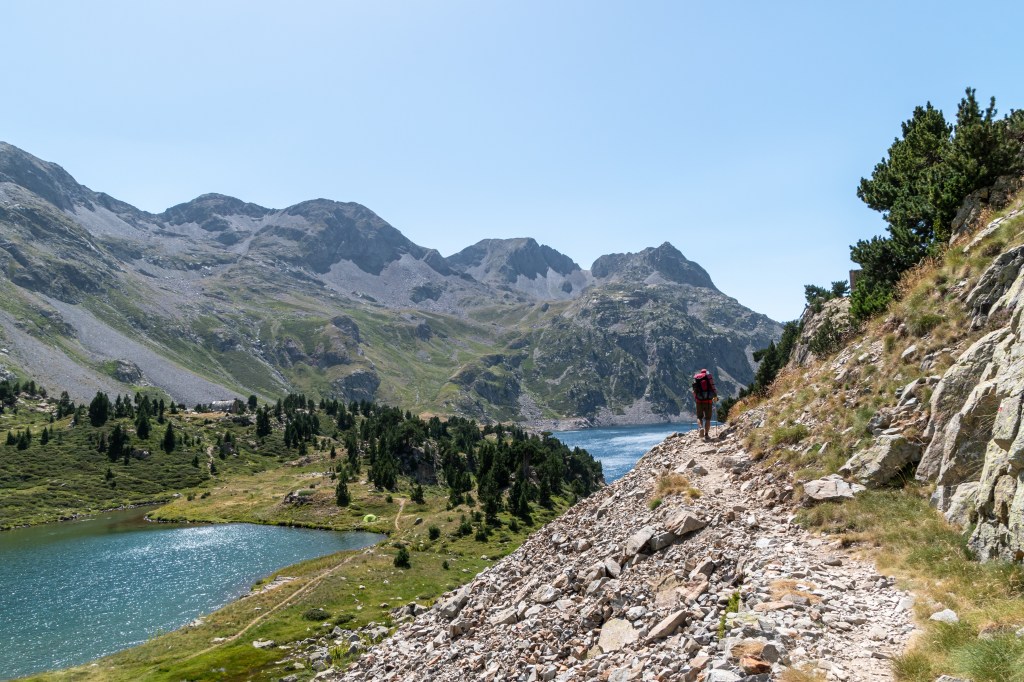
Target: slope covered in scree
{"points": [[687, 568]]}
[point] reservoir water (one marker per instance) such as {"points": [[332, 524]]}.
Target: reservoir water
{"points": [[71, 592], [618, 448]]}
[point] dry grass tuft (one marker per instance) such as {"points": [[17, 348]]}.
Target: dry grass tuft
{"points": [[672, 484], [801, 675], [799, 588], [675, 484]]}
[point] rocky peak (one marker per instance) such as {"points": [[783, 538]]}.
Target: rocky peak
{"points": [[45, 179], [505, 260], [208, 206], [320, 233], [665, 262]]}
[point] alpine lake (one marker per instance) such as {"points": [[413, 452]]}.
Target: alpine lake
{"points": [[75, 591]]}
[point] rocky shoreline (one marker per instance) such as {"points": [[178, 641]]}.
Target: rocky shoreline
{"points": [[688, 568]]}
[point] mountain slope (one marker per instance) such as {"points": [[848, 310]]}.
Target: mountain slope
{"points": [[217, 297]]}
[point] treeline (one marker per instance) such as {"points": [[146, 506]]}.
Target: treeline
{"points": [[10, 390], [501, 467], [506, 467]]}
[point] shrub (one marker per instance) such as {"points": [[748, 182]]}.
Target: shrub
{"points": [[789, 435], [826, 339], [434, 532], [402, 558], [919, 325], [316, 615], [654, 504]]}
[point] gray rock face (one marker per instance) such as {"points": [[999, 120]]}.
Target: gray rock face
{"points": [[128, 372], [883, 461], [993, 285], [665, 261], [975, 205], [835, 312], [976, 453], [948, 403], [506, 260], [960, 508], [359, 385]]}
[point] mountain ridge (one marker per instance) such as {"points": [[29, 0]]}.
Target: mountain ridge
{"points": [[244, 295]]}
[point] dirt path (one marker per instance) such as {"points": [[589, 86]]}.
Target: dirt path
{"points": [[313, 582], [401, 506]]}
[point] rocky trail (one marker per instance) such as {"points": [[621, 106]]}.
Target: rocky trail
{"points": [[615, 590]]}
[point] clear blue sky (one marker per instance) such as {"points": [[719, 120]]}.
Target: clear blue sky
{"points": [[737, 131]]}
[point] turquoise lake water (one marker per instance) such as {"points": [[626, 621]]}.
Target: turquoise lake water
{"points": [[71, 592], [619, 448]]}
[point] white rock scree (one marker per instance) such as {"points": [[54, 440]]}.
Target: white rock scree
{"points": [[615, 590]]}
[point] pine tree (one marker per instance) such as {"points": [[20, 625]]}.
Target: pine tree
{"points": [[99, 409], [142, 423], [117, 445], [342, 495], [169, 438], [263, 428]]}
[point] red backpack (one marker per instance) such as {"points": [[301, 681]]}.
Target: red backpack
{"points": [[703, 388]]}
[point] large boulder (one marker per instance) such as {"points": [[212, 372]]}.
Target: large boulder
{"points": [[616, 634], [683, 523], [957, 503], [830, 489], [883, 461]]}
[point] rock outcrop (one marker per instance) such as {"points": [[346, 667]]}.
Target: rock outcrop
{"points": [[832, 317], [976, 450]]}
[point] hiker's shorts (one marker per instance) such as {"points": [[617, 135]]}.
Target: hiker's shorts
{"points": [[704, 411]]}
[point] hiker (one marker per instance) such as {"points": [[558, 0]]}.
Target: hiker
{"points": [[705, 395]]}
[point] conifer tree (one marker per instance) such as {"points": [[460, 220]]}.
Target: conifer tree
{"points": [[263, 428], [169, 439], [341, 493], [99, 409], [142, 423]]}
